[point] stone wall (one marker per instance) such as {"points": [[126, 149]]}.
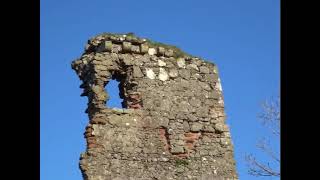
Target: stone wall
{"points": [[172, 125]]}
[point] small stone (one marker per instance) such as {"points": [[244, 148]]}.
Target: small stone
{"points": [[184, 73], [193, 66], [173, 73], [186, 126], [114, 119], [202, 112], [95, 130], [116, 48], [197, 76], [127, 61], [161, 63], [177, 149], [164, 159], [152, 51], [213, 95], [224, 141], [137, 72], [165, 105], [221, 127], [126, 46], [205, 86], [150, 73], [209, 102], [144, 48], [161, 51], [105, 46], [181, 62], [163, 121], [169, 53], [179, 142], [208, 129], [210, 77], [180, 170], [135, 49], [196, 61], [181, 115], [117, 110], [163, 75], [206, 139], [183, 106], [195, 127], [204, 152], [204, 69], [195, 102], [191, 117]]}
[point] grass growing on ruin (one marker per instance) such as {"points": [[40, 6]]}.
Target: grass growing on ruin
{"points": [[177, 52]]}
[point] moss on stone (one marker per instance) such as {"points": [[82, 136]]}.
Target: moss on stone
{"points": [[177, 52], [181, 162]]}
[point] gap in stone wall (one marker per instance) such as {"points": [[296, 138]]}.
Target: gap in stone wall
{"points": [[112, 89]]}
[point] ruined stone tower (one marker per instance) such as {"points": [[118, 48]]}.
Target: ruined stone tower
{"points": [[172, 125]]}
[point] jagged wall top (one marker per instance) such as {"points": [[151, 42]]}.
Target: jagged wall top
{"points": [[131, 43]]}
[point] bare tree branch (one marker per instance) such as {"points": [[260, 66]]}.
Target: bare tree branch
{"points": [[270, 118], [259, 169], [270, 115], [265, 147]]}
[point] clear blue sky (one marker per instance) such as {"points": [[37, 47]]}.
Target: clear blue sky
{"points": [[241, 37]]}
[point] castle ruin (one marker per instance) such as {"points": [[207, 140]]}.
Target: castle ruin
{"points": [[172, 124]]}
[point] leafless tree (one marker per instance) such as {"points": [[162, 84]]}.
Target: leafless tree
{"points": [[270, 118]]}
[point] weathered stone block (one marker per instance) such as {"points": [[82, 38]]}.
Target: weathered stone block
{"points": [[173, 73], [195, 127], [163, 75], [152, 51], [137, 72], [169, 53], [161, 51], [126, 46], [144, 48], [177, 149], [105, 46], [135, 49], [181, 62], [204, 69]]}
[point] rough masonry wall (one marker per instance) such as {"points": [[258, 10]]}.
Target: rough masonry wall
{"points": [[172, 125]]}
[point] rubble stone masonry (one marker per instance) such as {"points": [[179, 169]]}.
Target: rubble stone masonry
{"points": [[172, 125]]}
